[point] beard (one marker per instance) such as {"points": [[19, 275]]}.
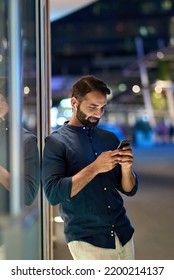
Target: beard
{"points": [[84, 120]]}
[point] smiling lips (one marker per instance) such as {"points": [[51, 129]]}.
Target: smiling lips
{"points": [[92, 119]]}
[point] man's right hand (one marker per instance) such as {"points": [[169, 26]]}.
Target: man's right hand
{"points": [[106, 161]]}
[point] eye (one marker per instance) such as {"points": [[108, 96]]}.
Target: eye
{"points": [[103, 108], [92, 107]]}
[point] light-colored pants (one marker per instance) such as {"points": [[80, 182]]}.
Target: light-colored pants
{"points": [[84, 251]]}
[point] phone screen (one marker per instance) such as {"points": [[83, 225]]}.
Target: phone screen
{"points": [[124, 143]]}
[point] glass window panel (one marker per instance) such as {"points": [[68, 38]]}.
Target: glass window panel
{"points": [[29, 224]]}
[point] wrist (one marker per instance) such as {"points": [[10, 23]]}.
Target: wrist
{"points": [[94, 169]]}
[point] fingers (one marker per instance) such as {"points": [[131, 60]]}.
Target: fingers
{"points": [[118, 156], [109, 159], [125, 152], [124, 156], [126, 161]]}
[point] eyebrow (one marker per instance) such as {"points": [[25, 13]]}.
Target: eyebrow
{"points": [[97, 105]]}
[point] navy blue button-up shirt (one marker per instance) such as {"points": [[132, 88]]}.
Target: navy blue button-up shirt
{"points": [[96, 213]]}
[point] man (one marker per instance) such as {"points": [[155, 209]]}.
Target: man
{"points": [[83, 171]]}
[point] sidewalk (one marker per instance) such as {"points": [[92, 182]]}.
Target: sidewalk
{"points": [[151, 209]]}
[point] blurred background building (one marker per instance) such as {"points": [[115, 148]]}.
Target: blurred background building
{"points": [[129, 44]]}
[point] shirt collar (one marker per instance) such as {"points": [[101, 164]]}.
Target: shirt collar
{"points": [[82, 129]]}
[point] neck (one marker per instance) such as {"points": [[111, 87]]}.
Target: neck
{"points": [[74, 121]]}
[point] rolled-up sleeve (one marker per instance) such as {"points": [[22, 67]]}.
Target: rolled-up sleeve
{"points": [[135, 188], [56, 185]]}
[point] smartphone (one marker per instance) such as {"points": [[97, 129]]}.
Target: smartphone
{"points": [[124, 143]]}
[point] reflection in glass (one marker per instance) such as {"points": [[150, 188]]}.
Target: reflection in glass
{"points": [[31, 167], [4, 162], [25, 229], [31, 161]]}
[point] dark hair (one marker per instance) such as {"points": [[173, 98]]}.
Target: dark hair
{"points": [[87, 84]]}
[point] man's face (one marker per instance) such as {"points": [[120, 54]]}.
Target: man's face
{"points": [[91, 109]]}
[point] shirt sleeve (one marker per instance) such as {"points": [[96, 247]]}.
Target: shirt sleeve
{"points": [[31, 167], [56, 185], [135, 188]]}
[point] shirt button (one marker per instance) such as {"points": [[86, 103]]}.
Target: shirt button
{"points": [[105, 189], [84, 127], [112, 234], [113, 226], [96, 153], [109, 206]]}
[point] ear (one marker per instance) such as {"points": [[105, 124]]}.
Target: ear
{"points": [[73, 102]]}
